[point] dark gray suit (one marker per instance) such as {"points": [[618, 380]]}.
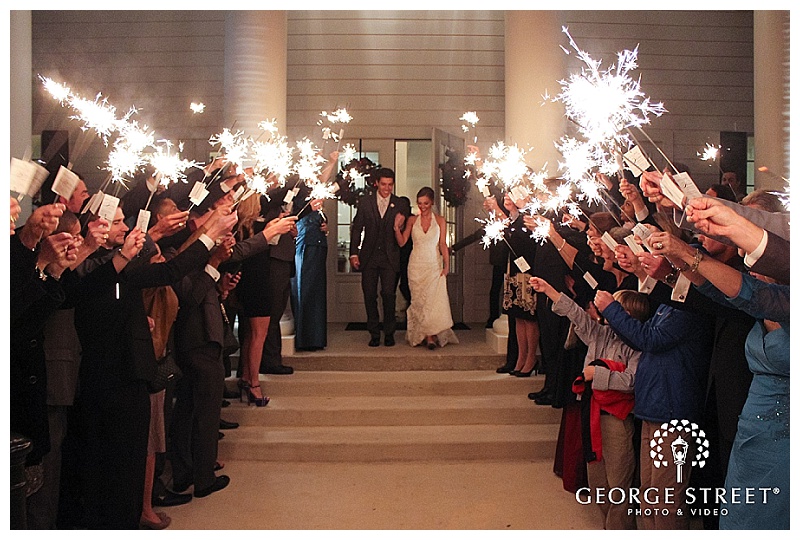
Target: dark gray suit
{"points": [[379, 256], [774, 262], [199, 338]]}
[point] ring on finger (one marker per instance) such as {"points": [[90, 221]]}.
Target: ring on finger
{"points": [[658, 245]]}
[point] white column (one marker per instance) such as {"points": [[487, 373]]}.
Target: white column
{"points": [[534, 63], [255, 69], [21, 91], [771, 96]]}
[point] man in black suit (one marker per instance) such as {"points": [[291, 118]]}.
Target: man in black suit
{"points": [[378, 256], [118, 361]]}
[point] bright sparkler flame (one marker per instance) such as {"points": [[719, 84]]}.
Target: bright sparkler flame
{"points": [[197, 108], [349, 153], [339, 116], [98, 115], [710, 153], [506, 164], [275, 156], [493, 228], [170, 166], [234, 144], [127, 153], [603, 102], [323, 191], [59, 91], [270, 126], [309, 163]]}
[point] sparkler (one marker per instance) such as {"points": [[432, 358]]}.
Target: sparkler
{"points": [[339, 116], [309, 163], [234, 145], [349, 153], [197, 108], [493, 229], [170, 167], [605, 101], [711, 153], [471, 118], [506, 164], [785, 195]]}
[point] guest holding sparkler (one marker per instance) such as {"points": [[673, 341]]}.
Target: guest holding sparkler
{"points": [[309, 285], [611, 460], [670, 384], [519, 298], [118, 360], [760, 454]]}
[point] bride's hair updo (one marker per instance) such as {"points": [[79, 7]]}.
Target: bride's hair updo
{"points": [[426, 192]]}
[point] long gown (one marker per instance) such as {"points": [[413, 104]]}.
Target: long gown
{"points": [[429, 313], [309, 286], [760, 455]]}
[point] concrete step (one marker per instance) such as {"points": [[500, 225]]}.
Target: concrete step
{"points": [[293, 411], [396, 383], [391, 443]]}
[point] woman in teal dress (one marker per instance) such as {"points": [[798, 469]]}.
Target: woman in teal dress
{"points": [[760, 455]]}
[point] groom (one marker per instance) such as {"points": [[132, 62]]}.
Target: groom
{"points": [[378, 256]]}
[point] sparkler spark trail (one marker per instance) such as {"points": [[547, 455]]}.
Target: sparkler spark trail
{"points": [[59, 91], [785, 195], [506, 164]]}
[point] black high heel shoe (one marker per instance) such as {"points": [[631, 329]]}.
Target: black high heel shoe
{"points": [[244, 390], [523, 373], [253, 399]]}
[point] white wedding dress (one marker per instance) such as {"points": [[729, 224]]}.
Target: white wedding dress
{"points": [[429, 313]]}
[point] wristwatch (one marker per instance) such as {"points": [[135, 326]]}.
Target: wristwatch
{"points": [[672, 278]]}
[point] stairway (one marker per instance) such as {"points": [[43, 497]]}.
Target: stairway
{"points": [[384, 416]]}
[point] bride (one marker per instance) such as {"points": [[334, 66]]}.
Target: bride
{"points": [[429, 318]]}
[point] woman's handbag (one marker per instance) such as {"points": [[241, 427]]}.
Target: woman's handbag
{"points": [[230, 345], [518, 291], [166, 370]]}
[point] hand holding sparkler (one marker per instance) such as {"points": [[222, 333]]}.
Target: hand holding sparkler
{"points": [[168, 225], [650, 183], [221, 225], [130, 248], [654, 266], [96, 234], [603, 299], [541, 286], [278, 226], [712, 217], [13, 213], [671, 247], [42, 222], [223, 251], [53, 249]]}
